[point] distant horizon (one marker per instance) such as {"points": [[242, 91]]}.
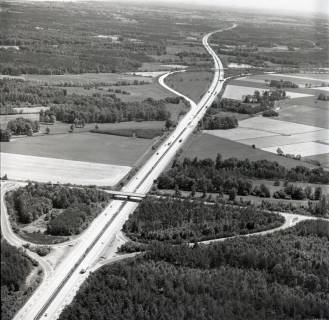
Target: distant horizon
{"points": [[305, 7]]}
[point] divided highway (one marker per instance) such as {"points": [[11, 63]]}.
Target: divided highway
{"points": [[60, 287]]}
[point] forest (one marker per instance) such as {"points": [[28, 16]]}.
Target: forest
{"points": [[15, 267], [206, 175], [76, 207], [279, 276], [177, 221]]}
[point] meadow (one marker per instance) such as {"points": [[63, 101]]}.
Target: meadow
{"points": [[84, 146], [193, 84]]}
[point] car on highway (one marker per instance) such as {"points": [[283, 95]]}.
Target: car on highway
{"points": [[83, 271]]}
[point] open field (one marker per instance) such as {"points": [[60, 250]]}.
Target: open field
{"points": [[304, 149], [193, 84], [322, 158], [299, 79], [208, 146], [269, 134], [276, 126], [23, 167], [306, 113], [63, 128], [236, 92], [85, 146]]}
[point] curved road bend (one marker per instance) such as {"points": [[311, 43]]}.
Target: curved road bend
{"points": [[52, 295]]}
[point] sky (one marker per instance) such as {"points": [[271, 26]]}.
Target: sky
{"points": [[301, 6]]}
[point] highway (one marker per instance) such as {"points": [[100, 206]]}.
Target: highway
{"points": [[59, 288]]}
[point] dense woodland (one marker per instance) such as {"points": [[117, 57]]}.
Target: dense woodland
{"points": [[178, 221], [15, 267], [76, 207], [244, 43], [280, 276], [206, 175]]}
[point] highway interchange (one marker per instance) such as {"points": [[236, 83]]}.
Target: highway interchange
{"points": [[61, 284], [59, 287]]}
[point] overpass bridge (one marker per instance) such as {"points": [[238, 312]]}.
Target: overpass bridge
{"points": [[127, 196]]}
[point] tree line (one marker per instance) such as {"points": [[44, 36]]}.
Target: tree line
{"points": [[207, 175]]}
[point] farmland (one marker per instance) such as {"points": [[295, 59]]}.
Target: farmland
{"points": [[85, 146], [237, 92], [268, 135], [208, 146], [23, 167]]}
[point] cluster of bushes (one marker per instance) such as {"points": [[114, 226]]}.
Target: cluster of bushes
{"points": [[207, 175], [176, 221], [34, 200], [22, 126], [219, 122], [270, 113], [280, 84], [280, 276], [323, 97], [118, 91], [5, 135]]}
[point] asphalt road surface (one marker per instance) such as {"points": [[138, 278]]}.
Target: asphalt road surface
{"points": [[59, 287]]}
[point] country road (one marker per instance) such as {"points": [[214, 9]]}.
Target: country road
{"points": [[59, 288]]}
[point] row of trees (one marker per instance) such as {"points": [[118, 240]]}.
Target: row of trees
{"points": [[281, 276], [176, 221], [221, 175], [107, 109], [280, 84], [296, 192]]}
